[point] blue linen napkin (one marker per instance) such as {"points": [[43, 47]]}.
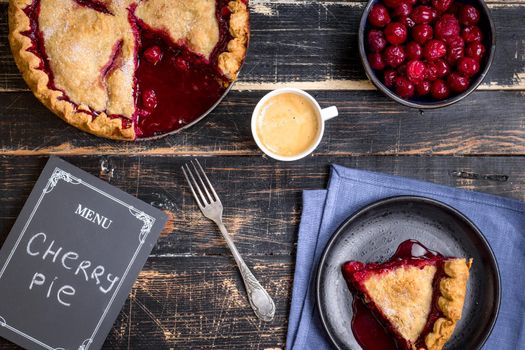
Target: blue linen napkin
{"points": [[501, 220]]}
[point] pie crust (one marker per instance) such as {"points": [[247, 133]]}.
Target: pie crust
{"points": [[453, 288], [405, 295], [88, 78]]}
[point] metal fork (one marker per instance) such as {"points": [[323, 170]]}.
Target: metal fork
{"points": [[211, 206]]}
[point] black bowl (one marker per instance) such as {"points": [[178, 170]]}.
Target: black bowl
{"points": [[489, 40]]}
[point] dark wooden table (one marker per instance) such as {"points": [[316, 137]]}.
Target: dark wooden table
{"points": [[190, 295]]}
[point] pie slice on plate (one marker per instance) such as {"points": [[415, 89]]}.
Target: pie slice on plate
{"points": [[129, 69], [418, 300]]}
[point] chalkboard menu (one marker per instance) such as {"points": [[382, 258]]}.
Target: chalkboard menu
{"points": [[71, 259]]}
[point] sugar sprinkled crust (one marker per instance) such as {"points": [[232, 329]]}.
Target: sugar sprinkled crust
{"points": [[453, 289], [405, 298], [72, 33], [113, 93], [194, 22], [38, 80]]}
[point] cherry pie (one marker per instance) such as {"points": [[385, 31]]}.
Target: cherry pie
{"points": [[417, 299], [128, 69]]}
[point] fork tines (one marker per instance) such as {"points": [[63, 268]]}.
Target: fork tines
{"points": [[199, 186]]}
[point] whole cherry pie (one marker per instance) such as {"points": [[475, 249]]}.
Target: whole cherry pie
{"points": [[128, 69], [418, 299]]}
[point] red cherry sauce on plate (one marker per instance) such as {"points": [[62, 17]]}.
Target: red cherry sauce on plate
{"points": [[368, 332]]}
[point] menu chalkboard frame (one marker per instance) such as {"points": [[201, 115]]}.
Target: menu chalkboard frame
{"points": [[58, 177]]}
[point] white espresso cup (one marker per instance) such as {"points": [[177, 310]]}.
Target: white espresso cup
{"points": [[322, 116]]}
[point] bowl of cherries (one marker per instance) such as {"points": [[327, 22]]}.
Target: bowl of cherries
{"points": [[426, 53]]}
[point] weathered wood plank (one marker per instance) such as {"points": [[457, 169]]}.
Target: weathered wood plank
{"points": [[486, 123], [313, 44], [189, 303], [262, 197]]}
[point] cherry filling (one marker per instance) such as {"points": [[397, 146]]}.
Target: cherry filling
{"points": [[37, 38], [369, 332], [95, 5], [173, 86]]}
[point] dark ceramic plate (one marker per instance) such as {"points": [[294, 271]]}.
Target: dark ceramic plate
{"points": [[374, 233]]}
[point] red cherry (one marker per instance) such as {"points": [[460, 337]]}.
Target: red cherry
{"points": [[469, 15], [423, 88], [422, 33], [454, 54], [423, 14], [412, 2], [476, 51], [404, 9], [394, 56], [389, 77], [446, 27], [396, 33], [442, 68], [379, 16], [413, 50], [407, 21], [458, 83], [468, 66], [456, 49], [376, 40], [376, 61], [225, 11], [434, 49], [439, 90], [472, 34], [149, 100], [415, 71], [392, 3], [456, 41], [404, 87], [153, 54], [442, 5], [432, 71]]}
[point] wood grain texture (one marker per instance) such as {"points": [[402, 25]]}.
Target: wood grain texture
{"points": [[313, 45], [190, 295], [189, 303], [486, 123], [262, 197]]}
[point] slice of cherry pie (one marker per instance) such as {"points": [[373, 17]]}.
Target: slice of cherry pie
{"points": [[417, 299], [127, 69]]}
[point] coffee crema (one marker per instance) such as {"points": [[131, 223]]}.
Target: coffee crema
{"points": [[288, 124]]}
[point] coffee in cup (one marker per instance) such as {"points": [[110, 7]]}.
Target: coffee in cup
{"points": [[288, 124]]}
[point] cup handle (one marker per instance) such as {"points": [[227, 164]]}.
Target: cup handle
{"points": [[329, 113]]}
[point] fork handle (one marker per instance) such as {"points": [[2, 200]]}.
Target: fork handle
{"points": [[261, 302]]}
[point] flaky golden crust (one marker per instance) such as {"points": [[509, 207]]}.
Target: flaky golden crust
{"points": [[453, 289], [230, 61], [405, 297], [38, 80], [78, 113], [194, 22]]}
